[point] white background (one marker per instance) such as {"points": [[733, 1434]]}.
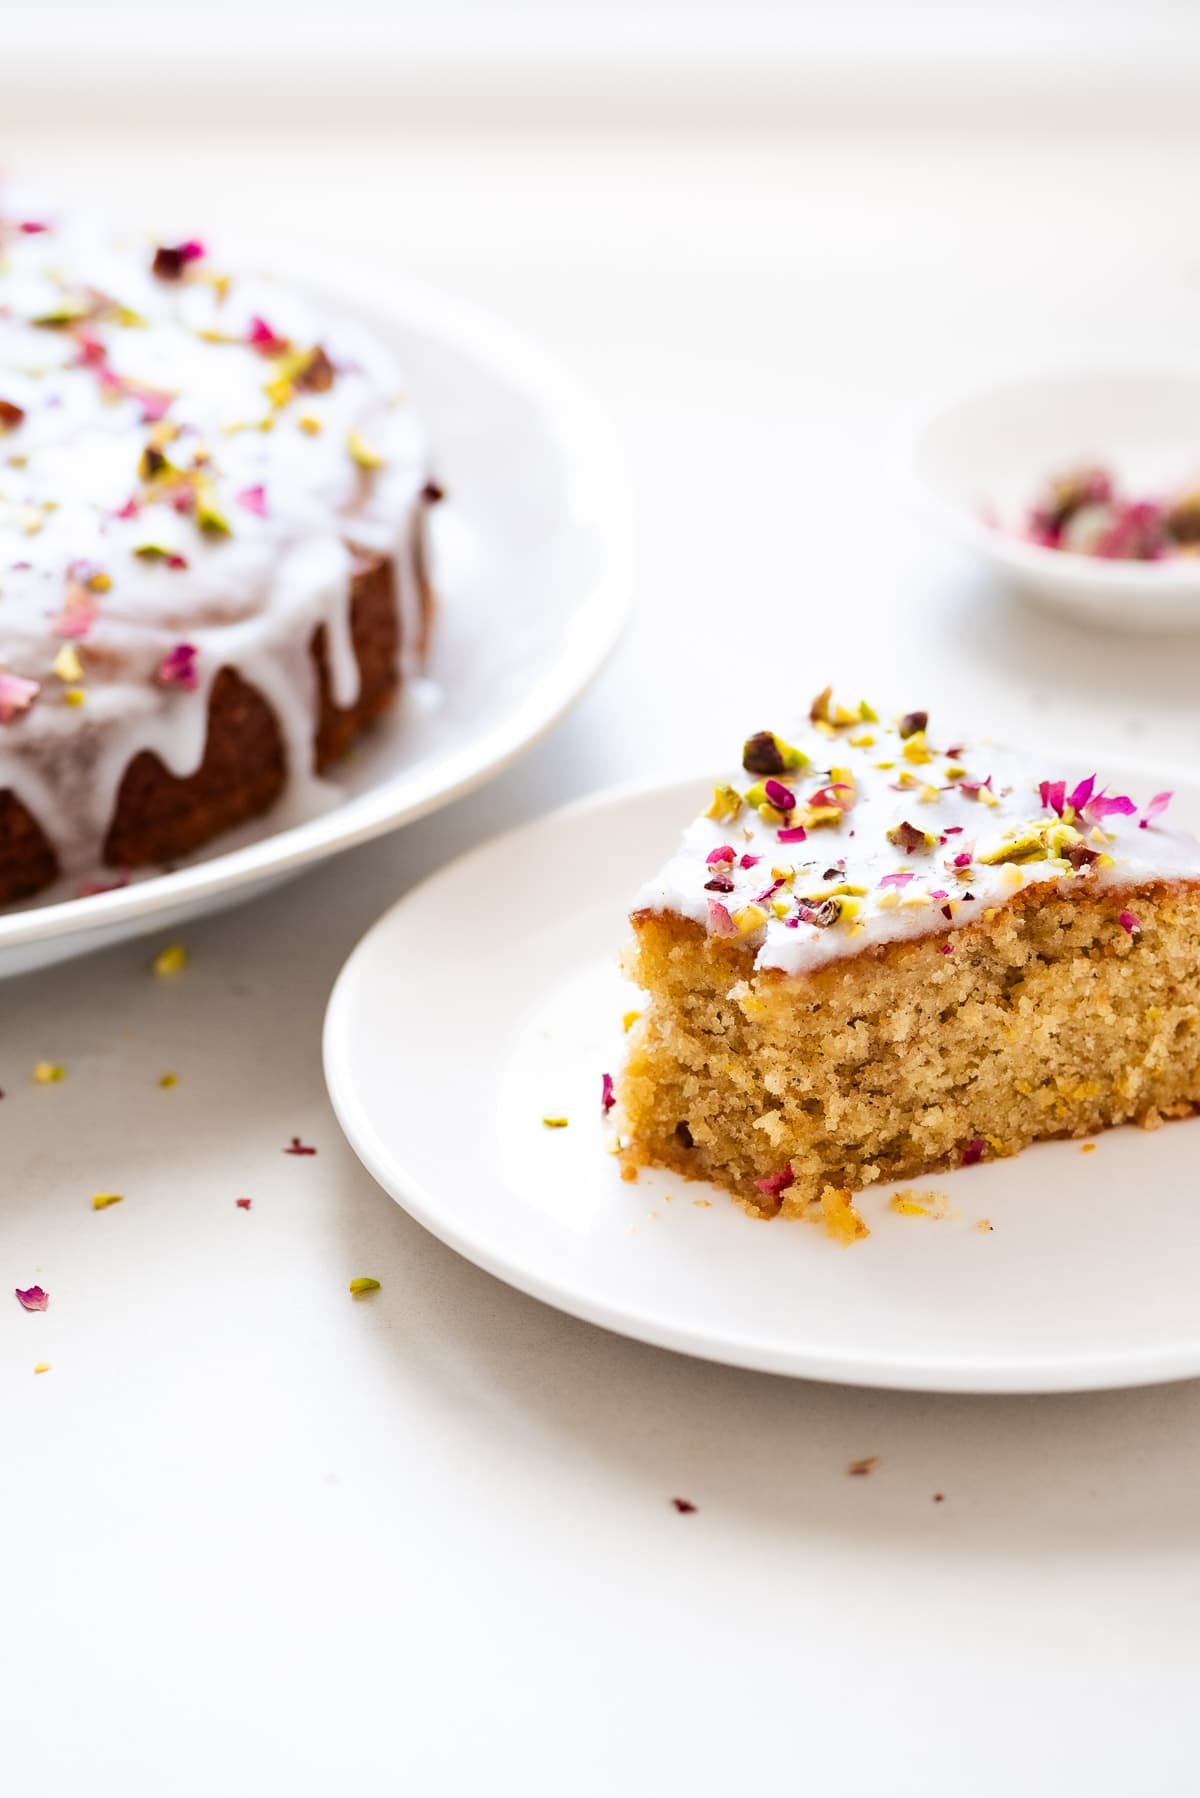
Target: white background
{"points": [[259, 1539]]}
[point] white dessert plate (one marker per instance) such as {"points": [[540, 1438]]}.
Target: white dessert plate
{"points": [[488, 999], [533, 564], [978, 463]]}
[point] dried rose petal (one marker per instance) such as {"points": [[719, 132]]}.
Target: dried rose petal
{"points": [[963, 859], [1155, 809], [10, 415], [243, 1204], [908, 839], [253, 499], [170, 260], [896, 880], [834, 794], [608, 1097], [1082, 793], [790, 833], [178, 667], [719, 921], [684, 1506], [749, 861], [781, 797], [80, 610], [32, 1298], [1101, 807], [155, 404], [1053, 795], [296, 1147], [720, 883], [725, 852], [1128, 921], [973, 1151], [774, 1184], [16, 696], [263, 339]]}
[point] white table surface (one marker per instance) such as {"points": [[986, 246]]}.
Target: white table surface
{"points": [[260, 1538]]}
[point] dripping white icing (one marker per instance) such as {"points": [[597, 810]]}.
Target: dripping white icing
{"points": [[857, 852], [73, 430]]}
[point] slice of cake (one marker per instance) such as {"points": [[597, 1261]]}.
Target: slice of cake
{"points": [[212, 567], [885, 950]]}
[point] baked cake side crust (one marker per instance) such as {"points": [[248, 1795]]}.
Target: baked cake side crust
{"points": [[1051, 1019], [160, 816]]}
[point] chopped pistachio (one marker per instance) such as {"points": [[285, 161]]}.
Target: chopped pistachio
{"points": [[749, 918], [1026, 846], [916, 749], [209, 516], [362, 454], [910, 840], [765, 753], [726, 804]]}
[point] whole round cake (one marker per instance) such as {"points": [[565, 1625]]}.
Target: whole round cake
{"points": [[212, 562]]}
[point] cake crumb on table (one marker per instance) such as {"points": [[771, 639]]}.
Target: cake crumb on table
{"points": [[859, 1469], [684, 1506], [919, 1202]]}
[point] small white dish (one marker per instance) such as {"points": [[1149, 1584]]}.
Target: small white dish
{"points": [[533, 559], [978, 463], [489, 999]]}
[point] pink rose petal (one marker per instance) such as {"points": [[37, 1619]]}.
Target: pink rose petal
{"points": [[774, 1184], [32, 1298], [719, 921], [608, 1097], [16, 696], [178, 667], [1155, 809], [253, 499]]}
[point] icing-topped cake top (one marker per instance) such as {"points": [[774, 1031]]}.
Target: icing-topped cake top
{"points": [[173, 437], [860, 831]]}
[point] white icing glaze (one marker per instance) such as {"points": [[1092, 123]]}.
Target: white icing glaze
{"points": [[250, 599], [857, 852]]}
